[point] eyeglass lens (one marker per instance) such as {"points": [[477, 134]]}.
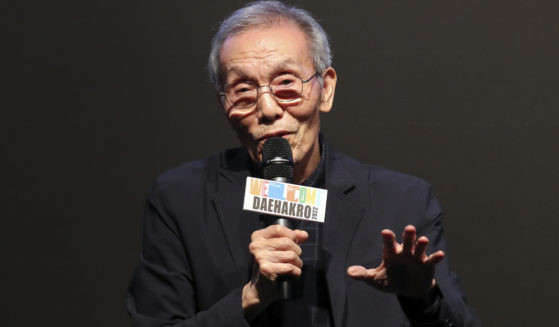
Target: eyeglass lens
{"points": [[284, 88]]}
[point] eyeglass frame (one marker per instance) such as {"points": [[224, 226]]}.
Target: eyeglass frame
{"points": [[258, 87]]}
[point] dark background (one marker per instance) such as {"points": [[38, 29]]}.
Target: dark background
{"points": [[102, 96]]}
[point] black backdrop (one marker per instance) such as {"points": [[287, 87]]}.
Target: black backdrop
{"points": [[102, 96]]}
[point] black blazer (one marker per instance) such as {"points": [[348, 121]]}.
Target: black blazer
{"points": [[195, 257]]}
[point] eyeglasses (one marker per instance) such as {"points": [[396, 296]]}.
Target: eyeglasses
{"points": [[284, 88]]}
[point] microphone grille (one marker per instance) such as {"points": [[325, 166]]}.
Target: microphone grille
{"points": [[277, 159], [276, 147]]}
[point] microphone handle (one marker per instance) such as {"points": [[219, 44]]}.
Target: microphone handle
{"points": [[283, 282]]}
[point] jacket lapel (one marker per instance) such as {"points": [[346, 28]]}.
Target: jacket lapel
{"points": [[344, 211], [237, 224]]}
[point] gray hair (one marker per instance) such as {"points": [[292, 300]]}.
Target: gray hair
{"points": [[266, 13]]}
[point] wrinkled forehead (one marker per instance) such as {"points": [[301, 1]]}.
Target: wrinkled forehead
{"points": [[281, 42]]}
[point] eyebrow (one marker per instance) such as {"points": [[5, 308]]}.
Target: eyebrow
{"points": [[286, 63]]}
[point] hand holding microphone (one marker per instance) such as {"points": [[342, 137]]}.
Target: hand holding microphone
{"points": [[277, 165], [276, 252], [275, 249]]}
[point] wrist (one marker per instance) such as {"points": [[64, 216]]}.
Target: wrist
{"points": [[252, 303], [426, 298], [249, 296], [432, 294], [425, 308]]}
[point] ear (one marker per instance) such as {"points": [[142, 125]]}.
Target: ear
{"points": [[329, 78]]}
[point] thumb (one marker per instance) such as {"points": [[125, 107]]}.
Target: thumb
{"points": [[357, 272]]}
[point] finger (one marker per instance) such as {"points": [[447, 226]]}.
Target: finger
{"points": [[274, 244], [274, 231], [272, 270], [278, 257], [389, 242], [302, 236], [408, 239], [434, 258], [421, 247]]}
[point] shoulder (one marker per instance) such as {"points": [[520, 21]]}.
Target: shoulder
{"points": [[397, 198], [377, 176], [188, 173], [193, 176]]}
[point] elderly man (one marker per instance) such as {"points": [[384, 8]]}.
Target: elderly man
{"points": [[206, 262]]}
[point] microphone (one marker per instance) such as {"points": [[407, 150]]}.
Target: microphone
{"points": [[277, 165]]}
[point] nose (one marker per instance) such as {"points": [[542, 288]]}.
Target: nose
{"points": [[267, 107]]}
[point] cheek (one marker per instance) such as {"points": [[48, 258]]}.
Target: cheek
{"points": [[307, 120], [240, 122], [308, 110]]}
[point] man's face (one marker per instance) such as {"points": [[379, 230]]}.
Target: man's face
{"points": [[258, 55]]}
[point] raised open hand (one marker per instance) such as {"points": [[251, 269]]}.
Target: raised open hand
{"points": [[405, 269]]}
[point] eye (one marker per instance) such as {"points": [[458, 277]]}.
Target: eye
{"points": [[284, 80], [242, 87]]}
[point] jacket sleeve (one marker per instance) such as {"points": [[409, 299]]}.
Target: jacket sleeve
{"points": [[450, 307], [162, 291]]}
